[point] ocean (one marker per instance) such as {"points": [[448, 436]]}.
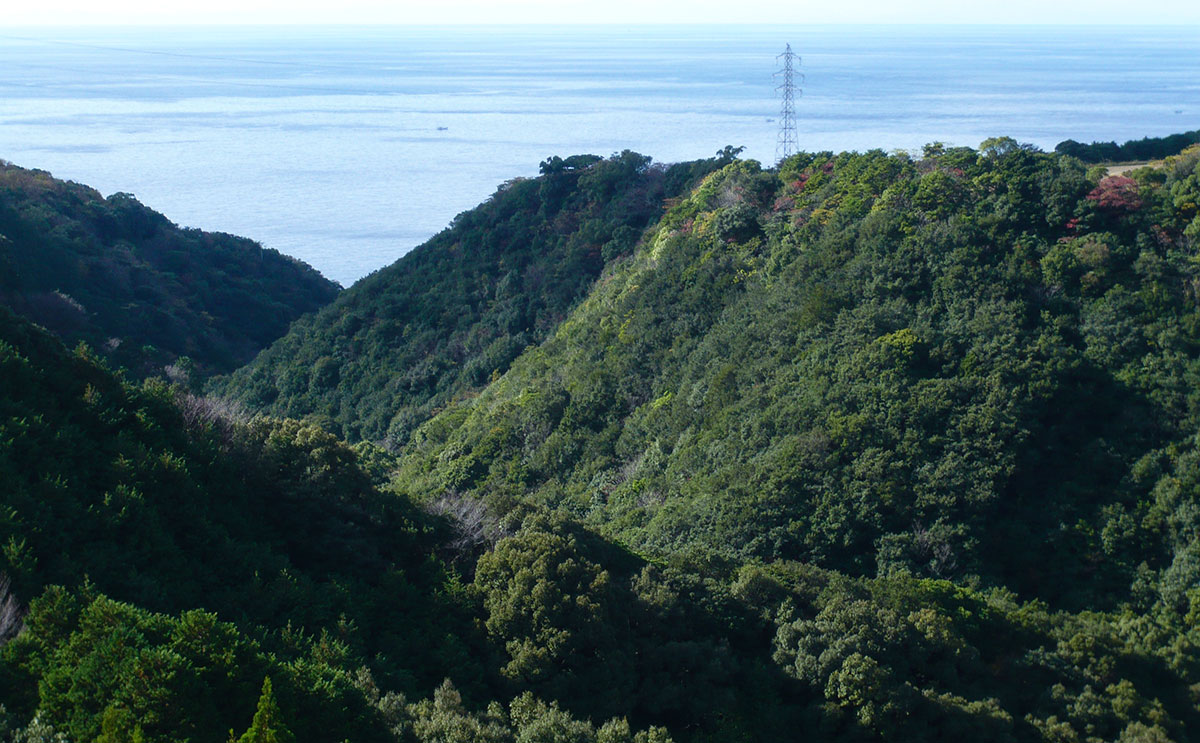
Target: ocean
{"points": [[346, 147]]}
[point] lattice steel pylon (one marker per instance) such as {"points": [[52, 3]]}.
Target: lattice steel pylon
{"points": [[787, 144]]}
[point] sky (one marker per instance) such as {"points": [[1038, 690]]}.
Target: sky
{"points": [[287, 12]]}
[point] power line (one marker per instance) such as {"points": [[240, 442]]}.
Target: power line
{"points": [[787, 144]]}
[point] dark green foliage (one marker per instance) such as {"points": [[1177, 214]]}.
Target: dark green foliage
{"points": [[268, 725], [610, 636], [159, 498], [909, 660], [1147, 148], [865, 448], [895, 365], [444, 719], [148, 500], [444, 320], [143, 292], [151, 477], [551, 606], [108, 671]]}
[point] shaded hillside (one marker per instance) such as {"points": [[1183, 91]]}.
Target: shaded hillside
{"points": [[216, 575], [871, 364], [867, 448], [163, 500], [448, 317], [176, 557], [141, 291]]}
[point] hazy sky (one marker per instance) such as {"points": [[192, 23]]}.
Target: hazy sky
{"points": [[1124, 12]]}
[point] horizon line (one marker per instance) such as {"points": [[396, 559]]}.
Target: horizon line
{"points": [[593, 24]]}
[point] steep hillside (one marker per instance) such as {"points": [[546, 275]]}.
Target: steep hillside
{"points": [[214, 575], [978, 365], [865, 448], [177, 557], [135, 287], [451, 315]]}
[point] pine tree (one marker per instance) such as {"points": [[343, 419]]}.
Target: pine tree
{"points": [[268, 725]]}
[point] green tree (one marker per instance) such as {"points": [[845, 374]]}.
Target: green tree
{"points": [[268, 725], [553, 610]]}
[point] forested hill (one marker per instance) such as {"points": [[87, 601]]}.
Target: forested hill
{"points": [[447, 318], [866, 447], [1147, 148], [976, 365], [135, 287], [171, 573]]}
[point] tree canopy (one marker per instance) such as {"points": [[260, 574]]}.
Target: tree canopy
{"points": [[867, 447], [139, 290]]}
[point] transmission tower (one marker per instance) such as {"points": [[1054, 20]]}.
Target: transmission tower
{"points": [[787, 145]]}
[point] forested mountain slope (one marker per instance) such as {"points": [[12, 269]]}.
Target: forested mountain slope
{"points": [[135, 287], [980, 366], [210, 575], [451, 315], [865, 448], [176, 558]]}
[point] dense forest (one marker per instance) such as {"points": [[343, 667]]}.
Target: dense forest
{"points": [[440, 323], [138, 289], [869, 363], [189, 571], [861, 447], [1146, 148]]}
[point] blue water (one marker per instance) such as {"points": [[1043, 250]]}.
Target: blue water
{"points": [[328, 143]]}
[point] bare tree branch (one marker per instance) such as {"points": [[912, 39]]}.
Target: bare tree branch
{"points": [[12, 616]]}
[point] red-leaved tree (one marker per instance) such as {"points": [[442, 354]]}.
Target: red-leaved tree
{"points": [[1118, 193]]}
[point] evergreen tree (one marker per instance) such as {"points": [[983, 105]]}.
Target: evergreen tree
{"points": [[268, 725]]}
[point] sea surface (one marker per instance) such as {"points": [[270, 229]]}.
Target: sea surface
{"points": [[348, 146]]}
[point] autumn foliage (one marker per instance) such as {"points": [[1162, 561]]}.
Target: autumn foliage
{"points": [[1118, 193]]}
